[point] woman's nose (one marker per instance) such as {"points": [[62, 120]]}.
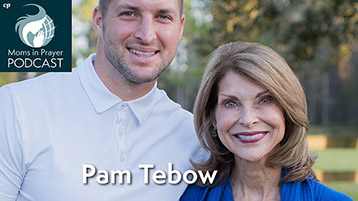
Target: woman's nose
{"points": [[248, 117]]}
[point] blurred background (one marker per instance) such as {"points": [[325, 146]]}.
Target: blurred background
{"points": [[318, 38]]}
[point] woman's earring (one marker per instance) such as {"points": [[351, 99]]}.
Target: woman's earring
{"points": [[214, 133]]}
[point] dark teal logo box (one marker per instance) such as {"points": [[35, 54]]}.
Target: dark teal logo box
{"points": [[55, 56]]}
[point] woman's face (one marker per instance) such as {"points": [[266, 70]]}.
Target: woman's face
{"points": [[250, 122]]}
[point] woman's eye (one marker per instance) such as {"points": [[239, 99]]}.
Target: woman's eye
{"points": [[229, 104], [266, 99]]}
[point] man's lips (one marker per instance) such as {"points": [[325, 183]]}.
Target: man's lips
{"points": [[250, 137], [143, 53]]}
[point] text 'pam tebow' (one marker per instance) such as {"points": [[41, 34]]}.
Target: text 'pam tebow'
{"points": [[158, 176]]}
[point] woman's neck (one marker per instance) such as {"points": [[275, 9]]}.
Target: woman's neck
{"points": [[255, 181]]}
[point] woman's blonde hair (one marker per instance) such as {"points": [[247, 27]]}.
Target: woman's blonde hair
{"points": [[268, 68]]}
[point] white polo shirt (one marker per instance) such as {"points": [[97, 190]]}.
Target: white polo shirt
{"points": [[52, 125]]}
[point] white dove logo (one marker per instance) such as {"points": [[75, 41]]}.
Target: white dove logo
{"points": [[35, 30]]}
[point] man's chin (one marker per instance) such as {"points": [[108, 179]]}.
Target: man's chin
{"points": [[142, 79]]}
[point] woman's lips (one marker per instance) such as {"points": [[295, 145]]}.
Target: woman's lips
{"points": [[250, 137]]}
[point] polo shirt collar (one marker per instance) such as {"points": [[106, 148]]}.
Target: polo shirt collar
{"points": [[143, 106], [103, 99]]}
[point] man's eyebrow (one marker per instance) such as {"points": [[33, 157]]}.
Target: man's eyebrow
{"points": [[166, 10], [127, 6]]}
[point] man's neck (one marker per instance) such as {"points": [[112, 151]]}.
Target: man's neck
{"points": [[118, 84]]}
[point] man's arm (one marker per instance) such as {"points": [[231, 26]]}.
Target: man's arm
{"points": [[11, 147]]}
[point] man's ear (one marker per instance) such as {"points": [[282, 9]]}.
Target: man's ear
{"points": [[97, 21], [182, 23]]}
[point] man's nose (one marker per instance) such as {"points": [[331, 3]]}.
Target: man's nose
{"points": [[146, 30]]}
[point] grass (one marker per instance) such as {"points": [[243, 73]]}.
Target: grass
{"points": [[337, 160]]}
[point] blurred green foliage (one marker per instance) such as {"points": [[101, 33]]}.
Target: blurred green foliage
{"points": [[318, 38]]}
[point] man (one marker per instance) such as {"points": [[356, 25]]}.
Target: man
{"points": [[63, 134]]}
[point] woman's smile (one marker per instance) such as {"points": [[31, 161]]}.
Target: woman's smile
{"points": [[250, 137]]}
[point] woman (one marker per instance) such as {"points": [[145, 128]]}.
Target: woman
{"points": [[251, 115]]}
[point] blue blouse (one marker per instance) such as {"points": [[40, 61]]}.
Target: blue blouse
{"points": [[307, 190]]}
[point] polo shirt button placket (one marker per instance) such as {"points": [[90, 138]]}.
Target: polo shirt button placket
{"points": [[120, 133], [123, 158], [122, 107], [123, 116]]}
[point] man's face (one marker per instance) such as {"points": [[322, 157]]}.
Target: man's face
{"points": [[140, 37]]}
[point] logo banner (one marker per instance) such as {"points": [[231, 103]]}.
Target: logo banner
{"points": [[35, 36]]}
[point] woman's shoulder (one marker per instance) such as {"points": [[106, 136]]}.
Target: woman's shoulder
{"points": [[322, 192], [194, 192], [197, 192], [311, 190]]}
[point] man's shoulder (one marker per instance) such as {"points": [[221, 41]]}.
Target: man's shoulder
{"points": [[47, 81], [44, 80], [166, 104]]}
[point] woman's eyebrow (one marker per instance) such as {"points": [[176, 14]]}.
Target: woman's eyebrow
{"points": [[262, 93], [229, 96]]}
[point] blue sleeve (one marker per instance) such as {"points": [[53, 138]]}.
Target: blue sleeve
{"points": [[194, 192], [11, 157], [324, 193]]}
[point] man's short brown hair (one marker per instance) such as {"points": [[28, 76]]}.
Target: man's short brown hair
{"points": [[103, 6]]}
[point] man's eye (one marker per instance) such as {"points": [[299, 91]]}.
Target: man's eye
{"points": [[127, 13], [164, 17]]}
